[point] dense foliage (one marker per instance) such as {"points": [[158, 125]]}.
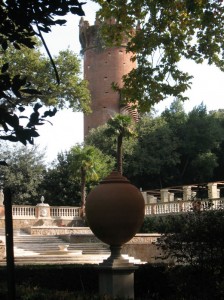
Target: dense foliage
{"points": [[172, 149], [73, 174], [24, 173], [20, 22], [194, 243], [72, 91], [196, 239], [161, 33], [58, 187]]}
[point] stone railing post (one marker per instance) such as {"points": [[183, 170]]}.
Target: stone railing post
{"points": [[43, 210]]}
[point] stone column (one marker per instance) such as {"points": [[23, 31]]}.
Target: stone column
{"points": [[187, 193], [164, 193], [171, 197], [213, 191]]}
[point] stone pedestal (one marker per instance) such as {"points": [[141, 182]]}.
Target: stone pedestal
{"points": [[42, 211], [116, 276], [116, 282]]}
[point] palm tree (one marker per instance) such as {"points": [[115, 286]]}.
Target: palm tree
{"points": [[120, 126], [90, 165]]}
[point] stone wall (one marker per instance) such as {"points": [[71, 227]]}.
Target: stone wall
{"points": [[27, 223], [142, 246]]}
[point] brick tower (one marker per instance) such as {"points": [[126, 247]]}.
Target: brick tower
{"points": [[102, 67]]}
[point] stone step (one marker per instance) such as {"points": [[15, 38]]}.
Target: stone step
{"points": [[29, 249], [60, 259], [40, 244], [85, 250]]}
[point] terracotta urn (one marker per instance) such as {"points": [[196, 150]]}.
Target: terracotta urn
{"points": [[115, 210]]}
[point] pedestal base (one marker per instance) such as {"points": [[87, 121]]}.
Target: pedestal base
{"points": [[117, 282]]}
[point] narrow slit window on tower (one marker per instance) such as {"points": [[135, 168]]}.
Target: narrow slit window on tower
{"points": [[120, 51], [105, 78]]}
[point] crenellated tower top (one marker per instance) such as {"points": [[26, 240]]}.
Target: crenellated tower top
{"points": [[89, 35]]}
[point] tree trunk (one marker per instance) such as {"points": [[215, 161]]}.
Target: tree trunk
{"points": [[83, 192]]}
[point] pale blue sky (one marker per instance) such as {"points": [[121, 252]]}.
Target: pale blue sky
{"points": [[67, 129]]}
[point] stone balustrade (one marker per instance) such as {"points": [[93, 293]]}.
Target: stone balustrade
{"points": [[20, 211], [27, 212], [184, 198], [157, 202], [43, 212], [183, 206]]}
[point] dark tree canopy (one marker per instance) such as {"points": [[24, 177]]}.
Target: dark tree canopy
{"points": [[24, 172], [175, 148], [23, 19]]}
